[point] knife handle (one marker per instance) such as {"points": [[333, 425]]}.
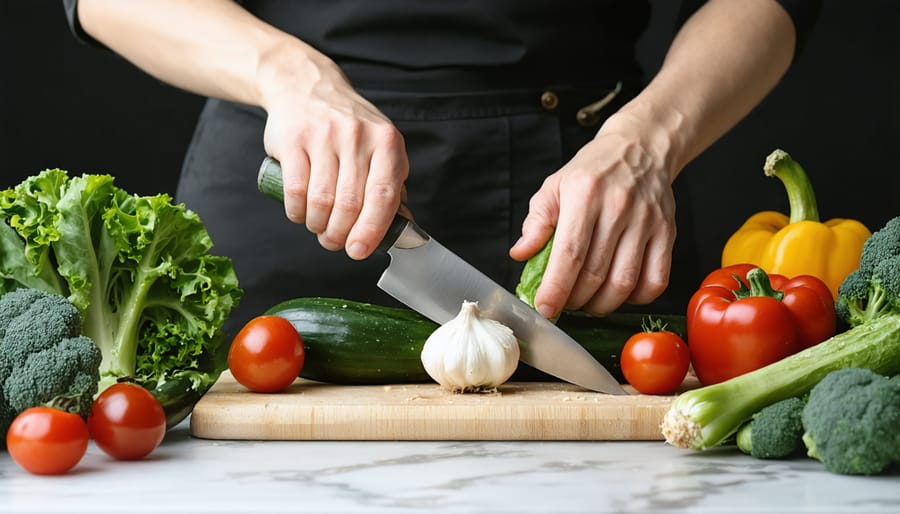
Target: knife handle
{"points": [[270, 183]]}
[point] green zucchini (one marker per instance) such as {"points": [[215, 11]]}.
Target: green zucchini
{"points": [[350, 342], [533, 273]]}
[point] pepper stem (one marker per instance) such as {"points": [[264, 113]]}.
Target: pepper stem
{"points": [[799, 189], [760, 285]]}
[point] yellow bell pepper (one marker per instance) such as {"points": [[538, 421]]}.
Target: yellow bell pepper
{"points": [[801, 244]]}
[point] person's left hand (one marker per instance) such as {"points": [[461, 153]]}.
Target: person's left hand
{"points": [[613, 212]]}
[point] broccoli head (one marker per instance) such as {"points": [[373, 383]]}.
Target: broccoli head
{"points": [[873, 290], [775, 432], [43, 358], [851, 422]]}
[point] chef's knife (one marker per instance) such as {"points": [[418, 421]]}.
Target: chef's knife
{"points": [[434, 281]]}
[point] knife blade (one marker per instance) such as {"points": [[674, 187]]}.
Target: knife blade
{"points": [[432, 280]]}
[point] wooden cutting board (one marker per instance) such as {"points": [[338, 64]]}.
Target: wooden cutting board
{"points": [[517, 411]]}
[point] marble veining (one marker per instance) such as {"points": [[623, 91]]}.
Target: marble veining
{"points": [[193, 475]]}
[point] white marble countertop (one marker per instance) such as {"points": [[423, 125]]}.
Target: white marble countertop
{"points": [[186, 474]]}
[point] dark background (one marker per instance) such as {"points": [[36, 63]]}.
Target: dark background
{"points": [[836, 112]]}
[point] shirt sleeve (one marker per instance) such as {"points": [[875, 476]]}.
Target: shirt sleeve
{"points": [[71, 8]]}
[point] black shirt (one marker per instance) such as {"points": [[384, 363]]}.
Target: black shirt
{"points": [[436, 45]]}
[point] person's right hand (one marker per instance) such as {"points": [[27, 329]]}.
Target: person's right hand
{"points": [[343, 161]]}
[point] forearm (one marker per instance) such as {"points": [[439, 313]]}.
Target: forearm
{"points": [[722, 63], [210, 47]]}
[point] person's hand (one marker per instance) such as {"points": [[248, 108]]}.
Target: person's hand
{"points": [[343, 161], [612, 209]]}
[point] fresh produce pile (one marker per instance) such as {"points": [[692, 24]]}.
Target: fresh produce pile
{"points": [[761, 336], [104, 294], [138, 269], [840, 389], [49, 375], [111, 299]]}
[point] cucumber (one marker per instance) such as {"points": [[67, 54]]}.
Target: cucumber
{"points": [[349, 342]]}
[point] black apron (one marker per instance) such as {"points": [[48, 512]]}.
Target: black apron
{"points": [[477, 150]]}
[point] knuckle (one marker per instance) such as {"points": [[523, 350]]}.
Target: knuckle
{"points": [[388, 134], [656, 285], [348, 202], [320, 199], [592, 275], [623, 282], [572, 250], [383, 194], [295, 190]]}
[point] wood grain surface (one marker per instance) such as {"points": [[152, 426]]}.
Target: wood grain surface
{"points": [[516, 411]]}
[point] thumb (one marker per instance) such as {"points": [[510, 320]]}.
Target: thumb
{"points": [[538, 226]]}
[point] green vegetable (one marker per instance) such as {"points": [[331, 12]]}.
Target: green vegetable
{"points": [[873, 290], [139, 270], [706, 417], [351, 342], [43, 358], [852, 422], [775, 432], [533, 273]]}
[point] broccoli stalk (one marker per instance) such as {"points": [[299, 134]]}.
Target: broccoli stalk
{"points": [[869, 300]]}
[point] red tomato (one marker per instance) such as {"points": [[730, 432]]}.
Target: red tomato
{"points": [[47, 441], [267, 354], [733, 330], [127, 422], [655, 362]]}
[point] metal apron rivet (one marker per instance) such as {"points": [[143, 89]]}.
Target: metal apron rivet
{"points": [[549, 100], [587, 115]]}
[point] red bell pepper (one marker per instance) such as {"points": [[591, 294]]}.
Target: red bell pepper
{"points": [[741, 319]]}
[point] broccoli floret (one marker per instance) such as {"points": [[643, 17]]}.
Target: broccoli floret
{"points": [[873, 290], [775, 432], [851, 422], [43, 358]]}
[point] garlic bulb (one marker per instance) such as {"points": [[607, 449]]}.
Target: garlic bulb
{"points": [[471, 353]]}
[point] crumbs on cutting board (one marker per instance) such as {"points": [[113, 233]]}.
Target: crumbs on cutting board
{"points": [[449, 396], [573, 398]]}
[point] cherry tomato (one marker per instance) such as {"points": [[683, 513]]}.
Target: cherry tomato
{"points": [[655, 362], [267, 354], [127, 422], [47, 441]]}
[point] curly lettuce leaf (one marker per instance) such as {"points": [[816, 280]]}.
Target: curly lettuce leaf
{"points": [[139, 268]]}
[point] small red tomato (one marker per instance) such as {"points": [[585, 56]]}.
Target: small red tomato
{"points": [[267, 354], [47, 441], [655, 361], [127, 422]]}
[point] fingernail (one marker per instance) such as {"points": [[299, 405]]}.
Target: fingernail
{"points": [[357, 250], [545, 310]]}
